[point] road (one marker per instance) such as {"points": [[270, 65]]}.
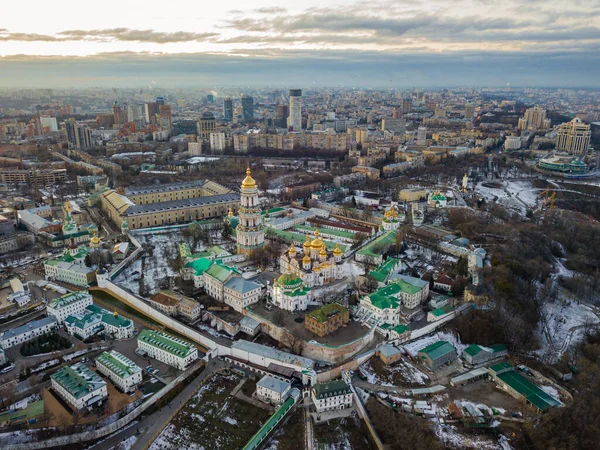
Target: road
{"points": [[308, 428], [151, 425]]}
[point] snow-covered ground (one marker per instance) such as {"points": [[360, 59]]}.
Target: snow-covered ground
{"points": [[410, 374], [157, 268], [413, 347], [566, 322], [551, 391], [452, 438], [515, 195]]}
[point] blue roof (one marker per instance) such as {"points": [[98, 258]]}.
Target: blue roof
{"points": [[29, 326], [272, 353], [242, 285], [273, 384]]}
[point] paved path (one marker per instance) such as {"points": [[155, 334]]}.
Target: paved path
{"points": [[308, 426], [150, 426]]}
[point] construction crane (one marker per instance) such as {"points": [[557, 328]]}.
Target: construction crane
{"points": [[550, 197]]}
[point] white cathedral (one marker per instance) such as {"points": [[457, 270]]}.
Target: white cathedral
{"points": [[315, 265]]}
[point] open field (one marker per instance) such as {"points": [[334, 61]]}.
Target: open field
{"points": [[212, 419]]}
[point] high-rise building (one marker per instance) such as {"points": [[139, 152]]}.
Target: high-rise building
{"points": [[283, 111], [150, 111], [406, 105], [422, 136], [166, 117], [250, 233], [228, 109], [534, 119], [469, 110], [78, 136], [210, 98], [217, 142], [573, 137], [133, 113], [160, 101], [247, 108], [206, 125], [119, 114], [295, 118]]}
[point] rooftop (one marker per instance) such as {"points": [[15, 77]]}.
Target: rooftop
{"points": [[530, 391], [241, 285], [78, 380], [273, 384], [69, 299], [34, 324], [166, 342], [331, 389], [326, 311], [167, 187], [181, 204], [120, 365], [438, 349], [271, 353]]}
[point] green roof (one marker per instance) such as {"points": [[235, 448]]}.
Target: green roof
{"points": [[337, 233], [166, 342], [501, 366], [383, 302], [33, 409], [67, 299], [331, 389], [408, 287], [184, 250], [439, 312], [473, 349], [272, 211], [383, 271], [438, 349], [326, 311], [220, 271], [199, 265], [120, 365], [78, 380], [530, 391], [116, 321], [288, 279], [299, 238], [386, 240], [498, 348], [264, 431], [400, 329]]}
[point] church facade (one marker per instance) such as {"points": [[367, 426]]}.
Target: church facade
{"points": [[250, 230]]}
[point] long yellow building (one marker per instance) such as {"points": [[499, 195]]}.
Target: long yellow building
{"points": [[168, 204]]}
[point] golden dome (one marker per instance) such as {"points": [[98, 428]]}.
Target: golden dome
{"points": [[317, 269], [316, 243], [337, 251], [306, 244], [248, 181], [230, 213], [323, 252], [292, 250], [306, 259]]}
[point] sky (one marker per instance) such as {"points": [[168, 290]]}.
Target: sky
{"points": [[395, 43]]}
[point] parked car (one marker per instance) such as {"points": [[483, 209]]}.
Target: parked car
{"points": [[7, 369]]}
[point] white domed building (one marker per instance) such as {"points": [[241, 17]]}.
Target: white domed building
{"points": [[290, 293], [315, 265], [391, 220]]}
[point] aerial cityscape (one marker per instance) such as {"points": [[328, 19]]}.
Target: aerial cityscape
{"points": [[319, 226]]}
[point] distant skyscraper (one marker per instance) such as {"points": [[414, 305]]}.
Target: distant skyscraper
{"points": [[160, 101], [133, 113], [469, 110], [422, 136], [573, 137], [228, 109], [78, 136], [150, 110], [206, 125], [283, 111], [534, 118], [247, 108], [295, 117], [166, 117], [119, 114], [406, 105], [210, 98]]}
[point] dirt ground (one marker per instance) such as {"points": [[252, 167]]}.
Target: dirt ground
{"points": [[344, 335], [485, 391], [61, 417]]}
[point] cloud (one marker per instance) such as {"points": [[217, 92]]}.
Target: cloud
{"points": [[110, 34], [561, 67], [271, 10]]}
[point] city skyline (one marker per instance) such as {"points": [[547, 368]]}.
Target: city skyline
{"points": [[426, 43]]}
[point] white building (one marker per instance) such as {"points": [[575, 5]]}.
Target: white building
{"points": [[573, 137], [290, 293], [79, 386], [272, 390], [332, 395], [168, 349], [122, 371], [217, 142], [294, 120], [68, 305], [27, 332], [240, 293], [94, 320], [512, 143]]}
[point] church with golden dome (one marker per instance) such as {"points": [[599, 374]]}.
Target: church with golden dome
{"points": [[315, 265], [392, 219]]}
